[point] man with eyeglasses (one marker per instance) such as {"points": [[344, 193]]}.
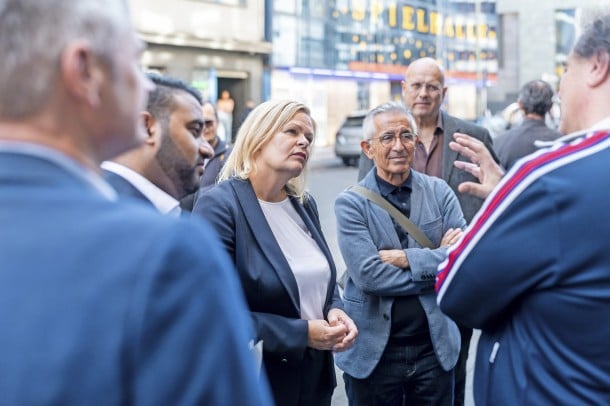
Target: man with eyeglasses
{"points": [[215, 163], [406, 349], [423, 92]]}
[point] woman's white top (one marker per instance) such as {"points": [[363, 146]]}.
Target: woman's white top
{"points": [[307, 261]]}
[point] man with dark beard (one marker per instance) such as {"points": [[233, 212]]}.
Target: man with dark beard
{"points": [[167, 166]]}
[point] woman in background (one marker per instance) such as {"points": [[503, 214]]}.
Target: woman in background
{"points": [[225, 107]]}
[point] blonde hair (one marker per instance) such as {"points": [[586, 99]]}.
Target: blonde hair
{"points": [[260, 126]]}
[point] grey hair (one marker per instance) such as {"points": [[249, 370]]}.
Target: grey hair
{"points": [[536, 97], [34, 34], [595, 37], [368, 126]]}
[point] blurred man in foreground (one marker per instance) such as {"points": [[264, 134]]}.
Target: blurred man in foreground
{"points": [[102, 301], [543, 310]]}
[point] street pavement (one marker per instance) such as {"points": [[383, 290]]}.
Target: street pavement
{"points": [[327, 177]]}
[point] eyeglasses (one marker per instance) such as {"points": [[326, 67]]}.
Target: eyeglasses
{"points": [[208, 123], [388, 139], [429, 87]]}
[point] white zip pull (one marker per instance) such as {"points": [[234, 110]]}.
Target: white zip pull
{"points": [[494, 351]]}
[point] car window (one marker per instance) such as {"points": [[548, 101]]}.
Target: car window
{"points": [[353, 122]]}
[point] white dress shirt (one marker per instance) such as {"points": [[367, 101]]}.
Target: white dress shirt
{"points": [[164, 202]]}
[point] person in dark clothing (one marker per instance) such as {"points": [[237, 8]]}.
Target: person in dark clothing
{"points": [[215, 162], [104, 300], [221, 148], [536, 100]]}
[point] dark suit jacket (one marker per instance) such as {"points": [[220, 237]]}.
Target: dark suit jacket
{"points": [[268, 282], [110, 303], [214, 165], [124, 188], [519, 141], [453, 176]]}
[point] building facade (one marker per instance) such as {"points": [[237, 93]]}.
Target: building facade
{"points": [[351, 55], [339, 56], [534, 40], [213, 44]]}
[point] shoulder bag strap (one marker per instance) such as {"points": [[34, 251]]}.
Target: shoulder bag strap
{"points": [[407, 224]]}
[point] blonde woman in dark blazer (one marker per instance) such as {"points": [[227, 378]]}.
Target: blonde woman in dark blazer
{"points": [[271, 229]]}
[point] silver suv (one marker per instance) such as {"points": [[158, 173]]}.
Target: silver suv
{"points": [[349, 135]]}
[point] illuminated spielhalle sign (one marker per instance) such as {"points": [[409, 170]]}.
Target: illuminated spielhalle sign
{"points": [[378, 36], [418, 19]]}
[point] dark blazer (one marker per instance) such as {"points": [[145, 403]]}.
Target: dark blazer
{"points": [[452, 175], [214, 165], [124, 188], [107, 302], [519, 141], [268, 282]]}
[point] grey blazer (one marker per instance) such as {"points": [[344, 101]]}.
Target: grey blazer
{"points": [[365, 228]]}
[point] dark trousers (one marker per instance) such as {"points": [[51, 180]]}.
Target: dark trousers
{"points": [[460, 367], [310, 383], [315, 382], [405, 375]]}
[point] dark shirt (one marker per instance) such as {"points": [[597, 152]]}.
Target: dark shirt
{"points": [[431, 162], [408, 316]]}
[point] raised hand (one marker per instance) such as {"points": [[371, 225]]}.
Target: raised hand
{"points": [[483, 166]]}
